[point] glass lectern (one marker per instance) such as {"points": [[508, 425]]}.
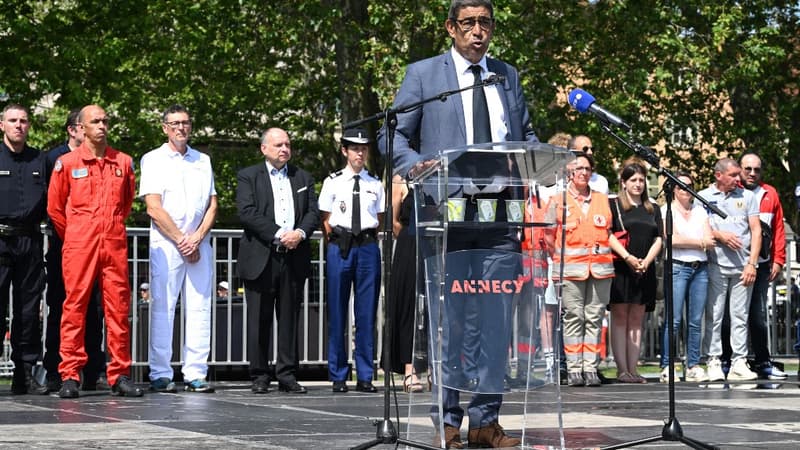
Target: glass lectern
{"points": [[487, 325]]}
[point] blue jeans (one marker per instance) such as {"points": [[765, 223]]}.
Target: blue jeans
{"points": [[685, 280]]}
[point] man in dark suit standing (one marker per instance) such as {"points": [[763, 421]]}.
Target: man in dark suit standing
{"points": [[494, 113], [278, 210]]}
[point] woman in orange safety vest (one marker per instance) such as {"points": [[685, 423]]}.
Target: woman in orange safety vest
{"points": [[583, 242]]}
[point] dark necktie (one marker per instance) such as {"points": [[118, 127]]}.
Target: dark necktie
{"points": [[355, 228], [481, 128]]}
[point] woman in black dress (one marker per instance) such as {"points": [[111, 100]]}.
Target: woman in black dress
{"points": [[633, 291], [402, 290]]}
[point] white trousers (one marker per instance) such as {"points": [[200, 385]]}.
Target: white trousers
{"points": [[170, 277]]}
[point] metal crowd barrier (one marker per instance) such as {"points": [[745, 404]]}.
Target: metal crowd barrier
{"points": [[229, 327]]}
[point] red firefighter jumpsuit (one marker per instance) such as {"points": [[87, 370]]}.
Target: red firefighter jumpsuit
{"points": [[88, 202]]}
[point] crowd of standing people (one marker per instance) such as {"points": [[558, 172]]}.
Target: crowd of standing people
{"points": [[607, 236]]}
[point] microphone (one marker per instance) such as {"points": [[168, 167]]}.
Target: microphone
{"points": [[584, 102], [494, 79]]}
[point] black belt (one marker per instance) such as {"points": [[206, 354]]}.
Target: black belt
{"points": [[370, 234], [15, 230], [345, 240], [694, 264]]}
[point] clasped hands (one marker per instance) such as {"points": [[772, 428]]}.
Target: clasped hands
{"points": [[639, 265], [189, 248], [291, 239]]}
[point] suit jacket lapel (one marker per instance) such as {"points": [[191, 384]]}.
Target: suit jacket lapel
{"points": [[455, 99]]}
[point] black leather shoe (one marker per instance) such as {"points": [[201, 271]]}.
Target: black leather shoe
{"points": [[260, 386], [124, 387], [95, 384], [53, 383], [23, 381], [340, 386], [522, 382], [365, 386], [69, 389], [292, 388]]}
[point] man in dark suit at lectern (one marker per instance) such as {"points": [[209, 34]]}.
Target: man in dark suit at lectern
{"points": [[493, 113], [278, 210]]}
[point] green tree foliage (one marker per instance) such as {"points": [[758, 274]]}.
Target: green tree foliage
{"points": [[693, 77]]}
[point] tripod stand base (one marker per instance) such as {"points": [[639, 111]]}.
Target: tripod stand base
{"points": [[672, 431], [387, 434]]}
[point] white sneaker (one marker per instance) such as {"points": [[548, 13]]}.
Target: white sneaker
{"points": [[664, 378], [769, 372], [715, 370], [740, 371], [696, 374]]}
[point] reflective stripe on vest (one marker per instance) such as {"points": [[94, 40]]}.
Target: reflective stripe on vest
{"points": [[587, 251]]}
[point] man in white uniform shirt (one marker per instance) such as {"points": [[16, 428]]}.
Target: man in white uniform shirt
{"points": [[177, 185], [351, 204]]}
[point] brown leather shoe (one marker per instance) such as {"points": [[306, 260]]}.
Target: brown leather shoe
{"points": [[491, 436], [452, 438]]}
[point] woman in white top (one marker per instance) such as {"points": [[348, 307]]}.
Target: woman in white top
{"points": [[691, 239]]}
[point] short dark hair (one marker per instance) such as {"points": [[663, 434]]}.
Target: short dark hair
{"points": [[458, 5], [754, 153], [683, 173], [72, 118], [176, 108], [16, 106]]}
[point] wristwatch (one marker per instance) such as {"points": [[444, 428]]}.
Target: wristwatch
{"points": [[755, 266]]}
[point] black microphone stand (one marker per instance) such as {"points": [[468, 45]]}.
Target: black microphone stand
{"points": [[387, 432], [672, 430]]}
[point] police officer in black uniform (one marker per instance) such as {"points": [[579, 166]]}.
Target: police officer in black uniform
{"points": [[22, 209], [94, 371]]}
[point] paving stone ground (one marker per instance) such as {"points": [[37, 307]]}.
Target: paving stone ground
{"points": [[736, 416]]}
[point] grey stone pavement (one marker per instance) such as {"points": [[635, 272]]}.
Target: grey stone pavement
{"points": [[740, 416]]}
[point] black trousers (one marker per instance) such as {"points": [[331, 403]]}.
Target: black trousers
{"points": [[93, 338], [22, 268], [276, 291]]}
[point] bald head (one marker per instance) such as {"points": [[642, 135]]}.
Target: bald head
{"points": [[581, 143], [94, 121], [276, 146], [751, 170]]}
